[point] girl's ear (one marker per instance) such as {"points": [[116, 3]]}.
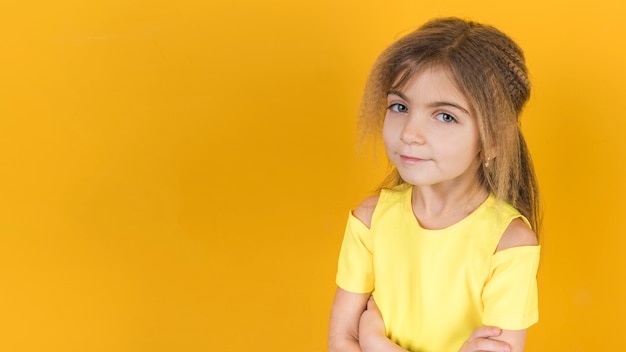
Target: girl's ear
{"points": [[491, 152], [490, 155]]}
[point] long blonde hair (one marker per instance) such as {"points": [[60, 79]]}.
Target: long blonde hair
{"points": [[489, 68]]}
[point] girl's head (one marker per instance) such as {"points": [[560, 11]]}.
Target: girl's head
{"points": [[489, 69]]}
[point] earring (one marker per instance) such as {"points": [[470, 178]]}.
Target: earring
{"points": [[487, 164]]}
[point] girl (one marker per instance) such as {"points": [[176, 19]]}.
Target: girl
{"points": [[446, 253]]}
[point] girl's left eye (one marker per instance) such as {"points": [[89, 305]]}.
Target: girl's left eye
{"points": [[443, 117], [397, 107]]}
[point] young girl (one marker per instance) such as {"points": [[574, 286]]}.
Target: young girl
{"points": [[445, 257]]}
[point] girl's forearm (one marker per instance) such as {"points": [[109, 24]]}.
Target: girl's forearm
{"points": [[346, 345], [372, 337], [377, 343]]}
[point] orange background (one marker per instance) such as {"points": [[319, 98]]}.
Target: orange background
{"points": [[175, 175]]}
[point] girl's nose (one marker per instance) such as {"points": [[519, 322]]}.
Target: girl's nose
{"points": [[413, 132]]}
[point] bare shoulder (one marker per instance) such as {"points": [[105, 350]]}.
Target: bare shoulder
{"points": [[517, 234], [365, 210]]}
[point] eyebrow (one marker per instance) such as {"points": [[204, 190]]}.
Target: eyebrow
{"points": [[434, 104]]}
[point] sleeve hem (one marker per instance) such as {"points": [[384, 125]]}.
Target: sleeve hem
{"points": [[512, 323], [352, 285]]}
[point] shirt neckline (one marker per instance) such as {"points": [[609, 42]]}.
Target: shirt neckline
{"points": [[453, 227]]}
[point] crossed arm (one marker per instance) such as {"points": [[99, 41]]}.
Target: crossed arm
{"points": [[357, 326]]}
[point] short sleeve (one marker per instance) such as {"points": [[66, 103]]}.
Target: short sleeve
{"points": [[355, 270], [510, 295]]}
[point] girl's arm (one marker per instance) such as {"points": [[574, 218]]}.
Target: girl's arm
{"points": [[343, 335], [489, 339], [372, 336], [516, 339], [517, 234]]}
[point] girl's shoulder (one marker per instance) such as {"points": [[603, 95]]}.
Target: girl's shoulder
{"points": [[365, 210], [517, 234], [387, 197]]}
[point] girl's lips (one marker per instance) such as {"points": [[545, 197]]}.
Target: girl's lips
{"points": [[410, 159]]}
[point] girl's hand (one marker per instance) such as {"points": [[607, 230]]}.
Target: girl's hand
{"points": [[480, 341], [371, 320]]}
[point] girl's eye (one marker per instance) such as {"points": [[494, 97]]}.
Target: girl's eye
{"points": [[443, 117], [397, 107]]}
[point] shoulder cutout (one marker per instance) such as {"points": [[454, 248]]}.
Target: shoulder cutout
{"points": [[365, 210], [517, 234]]}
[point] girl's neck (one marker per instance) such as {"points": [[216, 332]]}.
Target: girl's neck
{"points": [[438, 207]]}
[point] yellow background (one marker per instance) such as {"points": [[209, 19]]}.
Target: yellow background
{"points": [[175, 174]]}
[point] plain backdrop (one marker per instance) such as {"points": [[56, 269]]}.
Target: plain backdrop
{"points": [[175, 175]]}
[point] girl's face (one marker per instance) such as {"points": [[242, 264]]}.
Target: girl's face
{"points": [[429, 134]]}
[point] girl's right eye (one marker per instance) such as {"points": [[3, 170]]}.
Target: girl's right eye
{"points": [[397, 107]]}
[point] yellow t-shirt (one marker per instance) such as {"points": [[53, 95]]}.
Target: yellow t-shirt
{"points": [[433, 287]]}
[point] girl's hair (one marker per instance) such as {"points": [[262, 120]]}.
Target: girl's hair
{"points": [[489, 69]]}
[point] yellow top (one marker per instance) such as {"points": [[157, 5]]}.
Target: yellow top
{"points": [[433, 287]]}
